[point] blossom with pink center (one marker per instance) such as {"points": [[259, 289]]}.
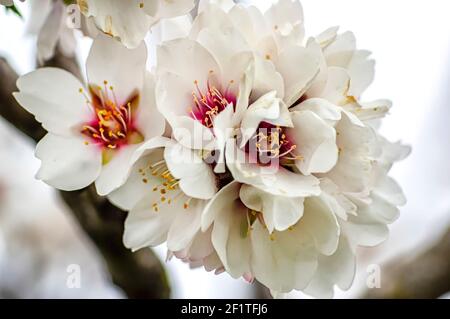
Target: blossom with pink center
{"points": [[92, 132], [207, 105]]}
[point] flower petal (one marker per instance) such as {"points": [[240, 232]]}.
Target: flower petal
{"points": [[125, 20], [316, 143], [185, 226], [122, 68], [115, 173], [146, 227], [196, 177], [49, 33], [318, 220], [338, 269], [147, 112], [170, 9], [279, 212], [297, 79], [137, 184], [283, 261], [52, 96], [67, 163], [229, 232]]}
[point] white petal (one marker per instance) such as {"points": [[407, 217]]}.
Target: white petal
{"points": [[211, 15], [200, 248], [68, 163], [340, 52], [223, 130], [219, 203], [284, 14], [145, 227], [352, 173], [122, 68], [322, 108], [223, 43], [266, 79], [316, 143], [283, 261], [122, 19], [196, 177], [170, 9], [148, 113], [192, 134], [279, 212], [319, 220], [188, 59], [327, 37], [50, 32], [340, 204], [297, 79], [173, 105], [52, 96], [115, 173], [388, 189], [362, 72], [338, 269], [337, 86], [135, 187], [229, 237], [185, 226], [224, 5]]}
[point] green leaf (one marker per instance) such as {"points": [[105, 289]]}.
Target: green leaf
{"points": [[14, 9]]}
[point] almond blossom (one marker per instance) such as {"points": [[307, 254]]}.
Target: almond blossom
{"points": [[131, 20], [271, 168], [305, 170], [92, 131], [166, 192]]}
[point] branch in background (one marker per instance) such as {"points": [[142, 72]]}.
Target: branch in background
{"points": [[423, 276], [141, 274]]}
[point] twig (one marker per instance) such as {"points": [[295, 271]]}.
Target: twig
{"points": [[141, 274]]}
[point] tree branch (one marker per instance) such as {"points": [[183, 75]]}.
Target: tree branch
{"points": [[422, 276], [140, 274]]}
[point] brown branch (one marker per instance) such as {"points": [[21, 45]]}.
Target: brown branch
{"points": [[417, 276], [141, 274]]}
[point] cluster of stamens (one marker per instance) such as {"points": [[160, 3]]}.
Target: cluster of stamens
{"points": [[270, 142], [168, 188], [112, 125], [207, 105]]}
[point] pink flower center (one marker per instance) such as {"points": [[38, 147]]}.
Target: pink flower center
{"points": [[112, 125], [207, 105]]}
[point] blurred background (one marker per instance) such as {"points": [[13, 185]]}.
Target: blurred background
{"points": [[410, 41]]}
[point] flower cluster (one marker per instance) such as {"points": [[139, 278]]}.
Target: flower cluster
{"points": [[247, 149]]}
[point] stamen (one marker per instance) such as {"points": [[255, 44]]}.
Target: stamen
{"points": [[113, 124]]}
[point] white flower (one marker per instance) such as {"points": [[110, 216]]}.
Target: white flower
{"points": [[49, 18], [214, 86], [165, 193], [131, 20], [248, 81], [94, 131]]}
